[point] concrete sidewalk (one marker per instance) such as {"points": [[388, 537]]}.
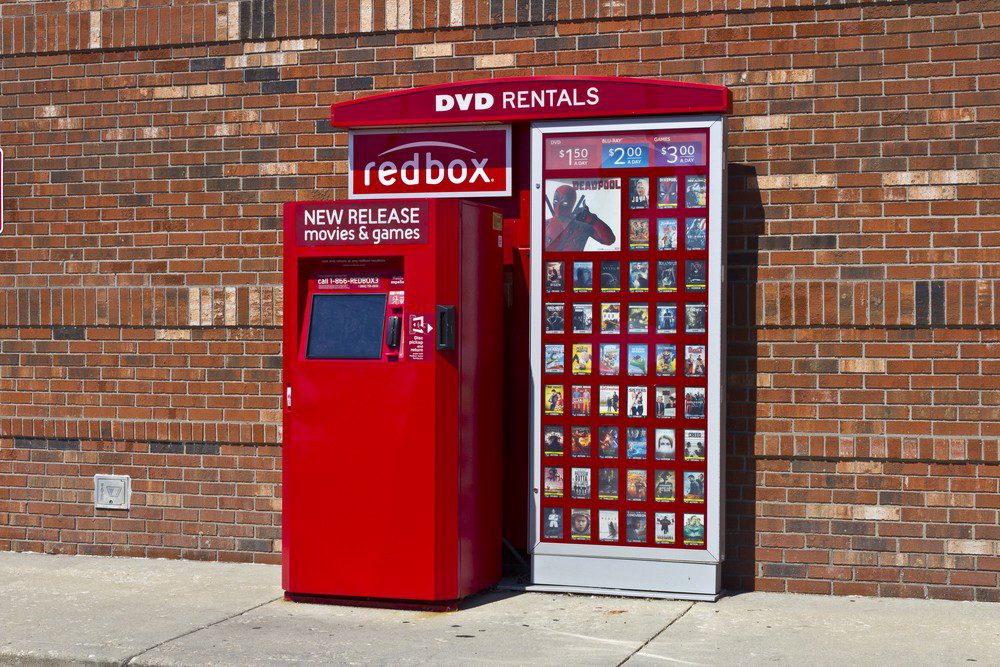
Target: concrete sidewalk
{"points": [[75, 609]]}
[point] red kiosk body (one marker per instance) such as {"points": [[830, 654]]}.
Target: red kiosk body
{"points": [[392, 381]]}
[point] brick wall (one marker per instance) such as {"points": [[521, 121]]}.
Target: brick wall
{"points": [[149, 146]]}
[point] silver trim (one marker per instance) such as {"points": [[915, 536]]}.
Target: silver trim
{"points": [[571, 556]]}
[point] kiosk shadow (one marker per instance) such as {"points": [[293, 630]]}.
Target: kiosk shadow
{"points": [[745, 227]]}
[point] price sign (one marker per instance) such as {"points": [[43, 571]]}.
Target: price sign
{"points": [[572, 153], [678, 151], [621, 156]]}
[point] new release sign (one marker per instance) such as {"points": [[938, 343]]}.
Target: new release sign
{"points": [[360, 223], [447, 162]]}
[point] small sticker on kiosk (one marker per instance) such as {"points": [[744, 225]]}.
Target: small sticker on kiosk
{"points": [[419, 340]]}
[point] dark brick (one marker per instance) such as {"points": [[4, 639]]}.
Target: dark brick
{"points": [[349, 83], [922, 299], [54, 444], [774, 242], [69, 333], [249, 544], [609, 40], [815, 242], [206, 64], [937, 302], [261, 74], [279, 87]]}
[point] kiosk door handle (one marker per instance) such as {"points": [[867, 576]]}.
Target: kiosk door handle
{"points": [[392, 331], [445, 327]]}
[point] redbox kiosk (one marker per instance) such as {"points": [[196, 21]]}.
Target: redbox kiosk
{"points": [[392, 378], [612, 192]]}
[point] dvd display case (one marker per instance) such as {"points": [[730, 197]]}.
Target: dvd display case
{"points": [[635, 216]]}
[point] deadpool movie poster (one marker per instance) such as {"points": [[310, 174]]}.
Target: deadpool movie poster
{"points": [[583, 214]]}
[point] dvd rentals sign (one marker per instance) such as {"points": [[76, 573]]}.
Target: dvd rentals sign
{"points": [[448, 162]]}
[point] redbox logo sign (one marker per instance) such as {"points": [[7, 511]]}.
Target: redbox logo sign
{"points": [[446, 162]]}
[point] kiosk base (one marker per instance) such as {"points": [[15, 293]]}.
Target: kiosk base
{"points": [[378, 603], [684, 580]]}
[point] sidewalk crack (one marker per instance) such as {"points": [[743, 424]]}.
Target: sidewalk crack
{"points": [[128, 660], [660, 632]]}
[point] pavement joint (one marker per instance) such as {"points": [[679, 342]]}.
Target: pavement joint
{"points": [[131, 658], [660, 632]]}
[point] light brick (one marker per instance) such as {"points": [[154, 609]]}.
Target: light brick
{"points": [[439, 50], [931, 192], [777, 122], [862, 365], [173, 334], [495, 61]]}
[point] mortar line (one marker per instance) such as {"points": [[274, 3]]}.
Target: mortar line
{"points": [[661, 631], [128, 660]]}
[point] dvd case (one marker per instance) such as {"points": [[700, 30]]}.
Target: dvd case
{"points": [[554, 359], [611, 278], [610, 353], [635, 485], [637, 359], [694, 317], [694, 487], [638, 318], [610, 318], [552, 440], [580, 401], [607, 484], [666, 233], [553, 484], [608, 442], [694, 402], [663, 486], [638, 193], [666, 446], [552, 526], [694, 444], [608, 529], [638, 237], [694, 360], [664, 528], [583, 276], [666, 275], [666, 192], [666, 359], [579, 441], [636, 401], [554, 399], [695, 275], [635, 526], [666, 318], [579, 524], [581, 361], [695, 191], [694, 530], [666, 402], [635, 442], [608, 401], [554, 318], [580, 483], [695, 234], [583, 318], [638, 276]]}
